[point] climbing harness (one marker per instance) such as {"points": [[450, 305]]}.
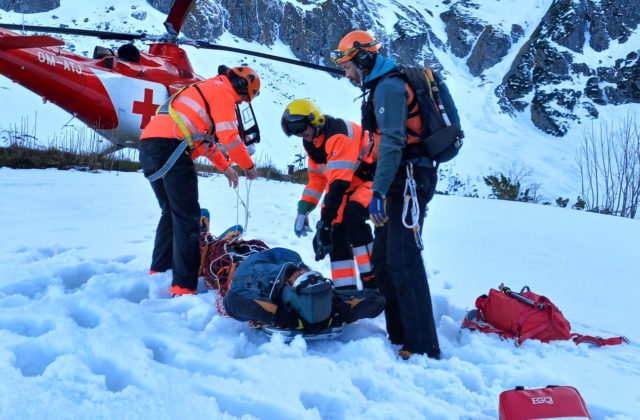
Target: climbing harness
{"points": [[411, 201], [188, 141]]}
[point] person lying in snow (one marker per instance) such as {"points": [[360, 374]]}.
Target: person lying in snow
{"points": [[275, 287]]}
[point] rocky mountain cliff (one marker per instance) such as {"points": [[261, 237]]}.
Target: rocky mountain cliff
{"points": [[579, 55], [552, 74]]}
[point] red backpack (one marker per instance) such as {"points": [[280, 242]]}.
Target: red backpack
{"points": [[525, 315]]}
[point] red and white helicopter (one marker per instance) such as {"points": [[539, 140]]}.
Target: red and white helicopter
{"points": [[115, 92]]}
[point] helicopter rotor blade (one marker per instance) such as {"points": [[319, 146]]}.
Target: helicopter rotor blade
{"points": [[207, 45], [71, 31], [177, 15], [19, 41]]}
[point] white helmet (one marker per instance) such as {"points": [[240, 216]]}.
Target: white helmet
{"points": [[309, 278]]}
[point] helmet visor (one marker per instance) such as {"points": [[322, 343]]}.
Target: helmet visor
{"points": [[338, 56], [294, 124], [341, 56]]}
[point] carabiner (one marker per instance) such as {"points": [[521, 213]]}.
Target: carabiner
{"points": [[411, 199]]}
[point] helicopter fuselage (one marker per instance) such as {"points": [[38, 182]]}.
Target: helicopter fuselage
{"points": [[115, 96]]}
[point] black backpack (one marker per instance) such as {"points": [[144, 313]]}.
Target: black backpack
{"points": [[441, 130]]}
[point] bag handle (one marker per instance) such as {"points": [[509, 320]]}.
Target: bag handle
{"points": [[598, 341], [507, 291]]}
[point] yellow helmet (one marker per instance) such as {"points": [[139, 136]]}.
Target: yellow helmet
{"points": [[299, 114]]}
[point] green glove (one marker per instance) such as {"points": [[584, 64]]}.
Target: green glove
{"points": [[305, 207]]}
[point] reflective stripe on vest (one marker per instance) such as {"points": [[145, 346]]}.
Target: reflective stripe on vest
{"points": [[183, 122], [166, 108], [191, 128], [196, 107], [312, 193], [349, 129], [341, 164], [235, 143], [227, 125], [321, 169]]}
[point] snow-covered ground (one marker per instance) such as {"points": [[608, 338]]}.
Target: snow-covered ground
{"points": [[86, 333]]}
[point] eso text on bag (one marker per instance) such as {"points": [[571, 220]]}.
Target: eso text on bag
{"points": [[552, 402]]}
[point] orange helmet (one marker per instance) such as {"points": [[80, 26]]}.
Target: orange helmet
{"points": [[353, 42], [245, 81]]}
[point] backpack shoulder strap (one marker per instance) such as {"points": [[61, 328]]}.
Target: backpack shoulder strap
{"points": [[206, 104], [474, 320], [598, 341]]}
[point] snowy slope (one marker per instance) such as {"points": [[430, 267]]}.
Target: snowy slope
{"points": [[494, 141], [85, 333]]}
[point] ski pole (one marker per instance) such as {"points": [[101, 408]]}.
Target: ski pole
{"points": [[519, 297]]}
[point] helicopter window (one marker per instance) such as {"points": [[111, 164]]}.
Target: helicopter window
{"points": [[102, 52], [184, 73], [109, 61], [129, 52]]}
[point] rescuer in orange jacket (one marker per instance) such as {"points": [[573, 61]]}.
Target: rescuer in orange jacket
{"points": [[336, 149], [201, 120]]}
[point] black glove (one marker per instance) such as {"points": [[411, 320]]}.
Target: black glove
{"points": [[322, 244]]}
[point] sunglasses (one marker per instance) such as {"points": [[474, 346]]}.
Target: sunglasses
{"points": [[337, 55], [294, 124]]}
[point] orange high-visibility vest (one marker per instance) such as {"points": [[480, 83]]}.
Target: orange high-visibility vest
{"points": [[342, 154], [191, 107]]}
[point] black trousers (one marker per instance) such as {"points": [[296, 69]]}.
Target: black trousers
{"points": [[400, 273], [352, 232], [176, 245]]}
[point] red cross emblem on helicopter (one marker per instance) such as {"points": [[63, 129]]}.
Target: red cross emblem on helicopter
{"points": [[146, 108]]}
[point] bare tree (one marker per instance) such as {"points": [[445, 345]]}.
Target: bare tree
{"points": [[609, 162]]}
